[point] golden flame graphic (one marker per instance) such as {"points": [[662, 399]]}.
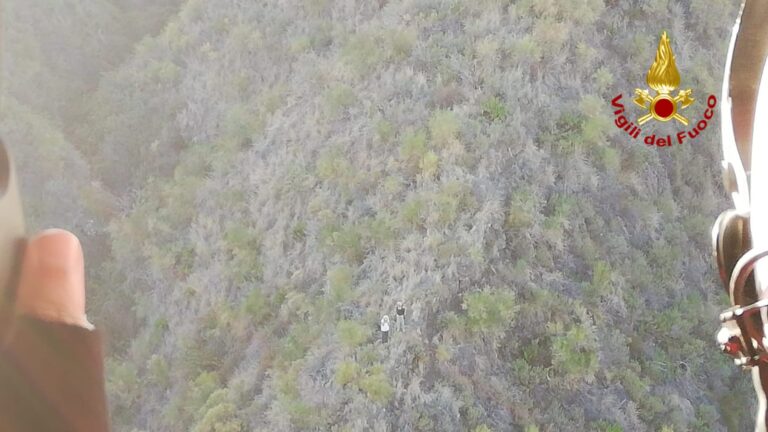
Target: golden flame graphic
{"points": [[663, 75]]}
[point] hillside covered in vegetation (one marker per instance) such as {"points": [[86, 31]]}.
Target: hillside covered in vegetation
{"points": [[257, 183]]}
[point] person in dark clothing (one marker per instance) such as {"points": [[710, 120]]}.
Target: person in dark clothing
{"points": [[400, 317], [51, 361], [385, 329]]}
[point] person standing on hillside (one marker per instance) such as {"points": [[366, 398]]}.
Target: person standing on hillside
{"points": [[400, 317], [385, 329]]}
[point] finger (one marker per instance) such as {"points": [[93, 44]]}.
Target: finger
{"points": [[52, 282]]}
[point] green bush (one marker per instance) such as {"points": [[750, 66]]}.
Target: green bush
{"points": [[299, 231], [486, 50], [245, 36], [256, 305], [347, 372], [412, 212], [605, 426], [165, 73], [401, 43], [706, 417], [300, 44], [219, 414], [362, 52], [202, 351], [199, 391], [351, 334], [526, 374], [494, 109], [489, 311], [601, 281], [367, 355], [243, 245], [574, 353], [273, 98], [443, 127], [285, 382], [447, 250], [384, 130], [392, 185], [452, 199], [221, 418], [603, 78], [557, 220], [379, 231], [339, 97], [295, 345], [123, 382], [522, 210], [424, 423], [340, 284], [348, 243], [377, 386], [316, 7], [664, 258], [344, 241], [526, 50], [413, 149], [240, 123], [551, 35], [596, 123], [158, 372], [303, 415], [582, 13], [333, 165], [429, 164], [609, 158]]}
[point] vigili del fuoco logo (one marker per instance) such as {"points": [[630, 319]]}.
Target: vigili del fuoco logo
{"points": [[660, 104]]}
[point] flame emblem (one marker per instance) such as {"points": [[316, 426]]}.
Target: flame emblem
{"points": [[663, 77]]}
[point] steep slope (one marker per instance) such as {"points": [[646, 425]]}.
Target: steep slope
{"points": [[291, 169], [54, 53]]}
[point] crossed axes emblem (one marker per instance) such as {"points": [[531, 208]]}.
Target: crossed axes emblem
{"points": [[663, 107]]}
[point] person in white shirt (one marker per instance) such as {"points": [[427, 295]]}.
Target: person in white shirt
{"points": [[385, 329]]}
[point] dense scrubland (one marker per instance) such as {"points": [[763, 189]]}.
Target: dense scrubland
{"points": [[256, 183]]}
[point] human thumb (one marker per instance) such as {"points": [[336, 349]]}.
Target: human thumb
{"points": [[52, 281]]}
